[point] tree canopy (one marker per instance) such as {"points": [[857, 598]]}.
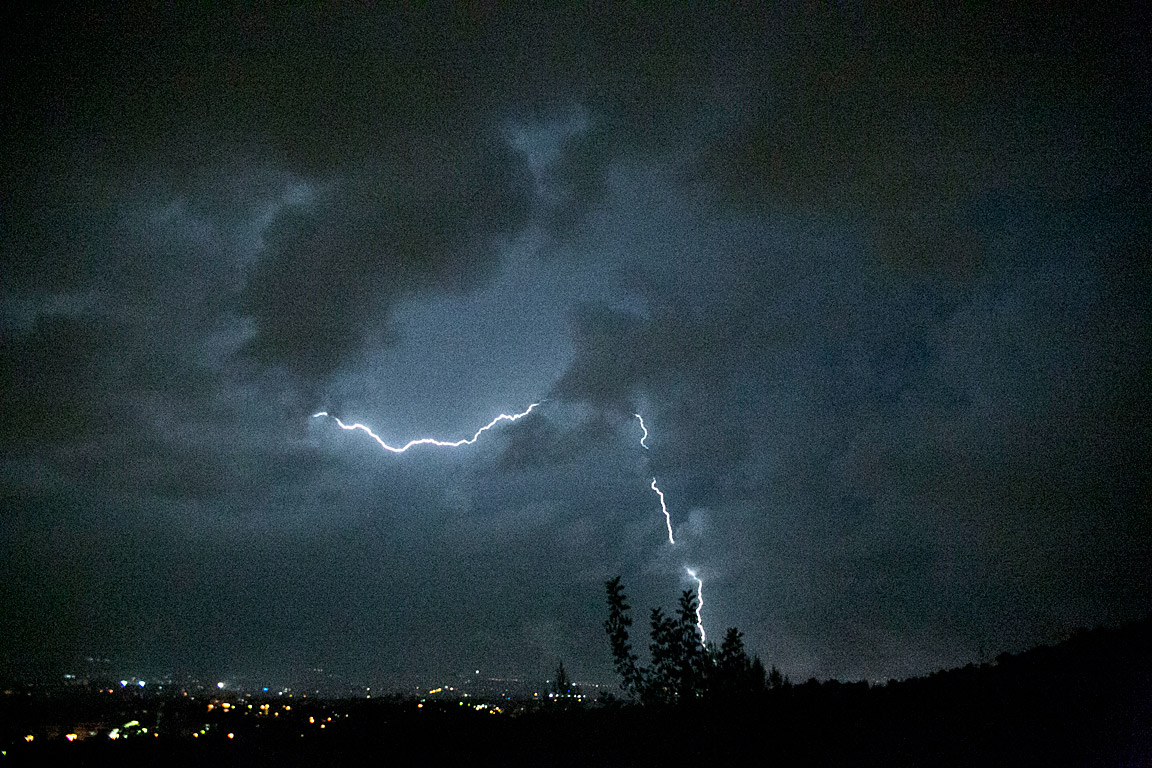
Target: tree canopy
{"points": [[683, 668]]}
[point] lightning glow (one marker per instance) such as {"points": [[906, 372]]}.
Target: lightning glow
{"points": [[664, 509], [512, 417], [430, 440], [699, 603], [642, 445]]}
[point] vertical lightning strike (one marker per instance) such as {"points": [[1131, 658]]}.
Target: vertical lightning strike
{"points": [[664, 509], [699, 603], [429, 440], [663, 506], [642, 445], [512, 417]]}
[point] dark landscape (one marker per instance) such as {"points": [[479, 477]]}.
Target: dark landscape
{"points": [[1086, 701]]}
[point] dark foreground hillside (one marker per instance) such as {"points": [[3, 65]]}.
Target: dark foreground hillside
{"points": [[1087, 701]]}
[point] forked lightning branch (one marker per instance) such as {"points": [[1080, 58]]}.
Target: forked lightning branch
{"points": [[513, 417]]}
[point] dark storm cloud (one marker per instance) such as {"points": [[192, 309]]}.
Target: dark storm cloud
{"points": [[897, 126], [414, 180], [874, 280], [417, 224], [62, 356], [918, 454], [540, 442], [394, 119]]}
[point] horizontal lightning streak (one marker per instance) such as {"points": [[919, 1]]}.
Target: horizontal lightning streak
{"points": [[664, 509], [429, 440]]}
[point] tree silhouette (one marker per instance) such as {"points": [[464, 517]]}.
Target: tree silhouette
{"points": [[662, 674], [683, 669], [616, 625], [775, 678], [733, 668], [561, 685], [693, 659]]}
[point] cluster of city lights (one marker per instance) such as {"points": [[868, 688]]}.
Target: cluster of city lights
{"points": [[231, 710]]}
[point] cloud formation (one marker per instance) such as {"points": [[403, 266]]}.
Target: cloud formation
{"points": [[874, 278]]}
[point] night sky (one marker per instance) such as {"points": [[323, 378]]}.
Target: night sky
{"points": [[873, 280]]}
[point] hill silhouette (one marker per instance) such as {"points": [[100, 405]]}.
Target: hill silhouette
{"points": [[1086, 701]]}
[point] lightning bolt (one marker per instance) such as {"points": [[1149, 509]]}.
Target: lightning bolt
{"points": [[663, 506], [512, 417], [430, 440], [668, 522], [699, 603], [643, 428], [664, 509]]}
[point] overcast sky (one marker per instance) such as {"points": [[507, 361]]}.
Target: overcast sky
{"points": [[873, 282]]}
